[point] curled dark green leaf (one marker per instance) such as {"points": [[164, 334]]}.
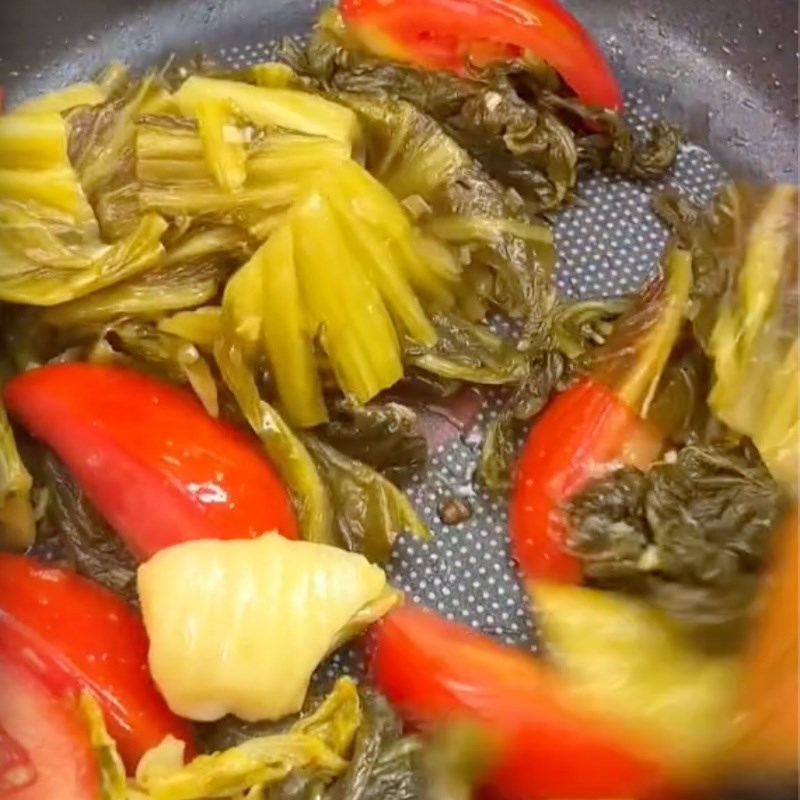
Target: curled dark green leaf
{"points": [[84, 539], [469, 352], [385, 436], [692, 534], [369, 511]]}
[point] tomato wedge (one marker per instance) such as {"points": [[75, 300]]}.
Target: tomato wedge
{"points": [[150, 459], [443, 34], [45, 751], [600, 422], [583, 430], [546, 746], [74, 635]]}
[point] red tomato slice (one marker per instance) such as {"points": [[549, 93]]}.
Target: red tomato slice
{"points": [[45, 751], [546, 747], [441, 34], [148, 456], [582, 432], [75, 635]]}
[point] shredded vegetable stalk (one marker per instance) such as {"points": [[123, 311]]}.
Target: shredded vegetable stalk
{"points": [[33, 141], [225, 159], [282, 108], [754, 341], [286, 451], [344, 306], [633, 359], [76, 94], [317, 744]]}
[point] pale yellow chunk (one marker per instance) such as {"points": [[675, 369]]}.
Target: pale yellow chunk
{"points": [[238, 627]]}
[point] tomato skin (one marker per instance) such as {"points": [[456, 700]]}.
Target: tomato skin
{"points": [[149, 458], [545, 746], [74, 635], [442, 34], [42, 741], [581, 432]]}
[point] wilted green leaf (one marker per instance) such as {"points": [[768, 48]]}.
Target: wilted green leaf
{"points": [[369, 511], [692, 534], [17, 524]]}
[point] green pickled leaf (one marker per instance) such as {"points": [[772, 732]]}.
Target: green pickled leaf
{"points": [[692, 534], [576, 330], [86, 540], [256, 762], [336, 720], [102, 138], [269, 107], [113, 781], [285, 449], [369, 511], [517, 118], [344, 306], [385, 765], [314, 748], [17, 523], [155, 293], [385, 436], [202, 326], [634, 358], [744, 251], [547, 371], [76, 94], [110, 264], [629, 661], [141, 346], [471, 353]]}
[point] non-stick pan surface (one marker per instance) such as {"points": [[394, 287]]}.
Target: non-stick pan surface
{"points": [[726, 71]]}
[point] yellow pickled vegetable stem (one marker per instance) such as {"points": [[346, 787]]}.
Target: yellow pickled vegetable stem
{"points": [[624, 658], [385, 268], [266, 107], [422, 262], [225, 159], [33, 141], [201, 327], [55, 190], [345, 307], [77, 94], [640, 384], [286, 335], [754, 342], [207, 198]]}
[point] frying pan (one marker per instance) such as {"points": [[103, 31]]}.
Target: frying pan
{"points": [[725, 71]]}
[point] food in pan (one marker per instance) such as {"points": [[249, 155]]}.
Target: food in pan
{"points": [[228, 299]]}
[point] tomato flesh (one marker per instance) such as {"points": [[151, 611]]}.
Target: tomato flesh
{"points": [[75, 636], [45, 751], [434, 671], [583, 432], [442, 34], [149, 457]]}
